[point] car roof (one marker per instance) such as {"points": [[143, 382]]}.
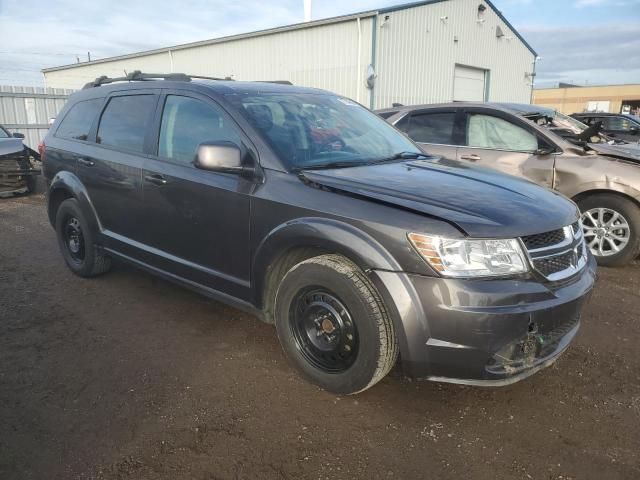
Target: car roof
{"points": [[222, 87], [599, 114], [515, 108]]}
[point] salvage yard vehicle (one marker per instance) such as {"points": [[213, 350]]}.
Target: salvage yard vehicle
{"points": [[311, 212], [616, 125], [17, 170], [548, 148]]}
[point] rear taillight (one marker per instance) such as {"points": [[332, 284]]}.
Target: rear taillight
{"points": [[41, 150]]}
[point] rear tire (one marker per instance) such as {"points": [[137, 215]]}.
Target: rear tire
{"points": [[601, 214], [333, 325], [76, 241]]}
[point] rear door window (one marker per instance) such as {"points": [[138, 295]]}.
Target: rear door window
{"points": [[618, 124], [125, 121], [494, 133], [432, 127], [77, 122]]}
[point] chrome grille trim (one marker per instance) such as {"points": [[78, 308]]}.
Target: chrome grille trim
{"points": [[571, 251]]}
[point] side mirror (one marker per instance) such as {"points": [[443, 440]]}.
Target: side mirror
{"points": [[18, 135], [219, 157]]}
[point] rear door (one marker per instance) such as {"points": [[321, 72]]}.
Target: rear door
{"points": [[197, 222], [111, 169], [435, 130], [501, 141]]}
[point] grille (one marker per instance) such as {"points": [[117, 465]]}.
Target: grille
{"points": [[542, 240], [550, 265], [558, 254]]}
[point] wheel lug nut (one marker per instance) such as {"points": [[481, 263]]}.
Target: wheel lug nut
{"points": [[349, 336], [347, 348]]}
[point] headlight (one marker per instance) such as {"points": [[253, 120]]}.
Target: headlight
{"points": [[454, 257]]}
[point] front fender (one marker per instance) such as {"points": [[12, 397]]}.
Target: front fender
{"points": [[326, 234], [67, 184]]}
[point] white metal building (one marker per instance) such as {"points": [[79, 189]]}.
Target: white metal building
{"points": [[423, 52]]}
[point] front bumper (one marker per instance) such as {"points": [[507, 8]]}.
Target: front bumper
{"points": [[483, 332]]}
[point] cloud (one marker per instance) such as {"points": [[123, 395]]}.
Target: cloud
{"points": [[607, 3], [608, 54]]}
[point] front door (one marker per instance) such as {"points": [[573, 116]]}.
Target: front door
{"points": [[197, 222], [498, 143]]}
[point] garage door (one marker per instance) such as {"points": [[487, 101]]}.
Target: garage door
{"points": [[468, 84]]}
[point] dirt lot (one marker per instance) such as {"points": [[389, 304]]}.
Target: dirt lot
{"points": [[127, 376]]}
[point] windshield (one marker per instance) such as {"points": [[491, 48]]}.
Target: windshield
{"points": [[4, 133], [316, 130]]}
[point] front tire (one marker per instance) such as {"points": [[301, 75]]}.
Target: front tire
{"points": [[76, 241], [333, 325], [611, 227]]}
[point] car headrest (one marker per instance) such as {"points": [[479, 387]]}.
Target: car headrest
{"points": [[260, 116]]}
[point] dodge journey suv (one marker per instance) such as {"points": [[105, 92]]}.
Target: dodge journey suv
{"points": [[308, 210]]}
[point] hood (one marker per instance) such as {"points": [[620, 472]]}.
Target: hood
{"points": [[482, 203], [11, 145], [627, 151]]}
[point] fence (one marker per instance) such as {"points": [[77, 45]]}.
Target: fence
{"points": [[28, 110]]}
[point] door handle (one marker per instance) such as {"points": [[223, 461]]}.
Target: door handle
{"points": [[86, 162], [156, 179], [473, 157]]}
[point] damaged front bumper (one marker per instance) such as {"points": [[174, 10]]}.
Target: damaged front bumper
{"points": [[487, 332]]}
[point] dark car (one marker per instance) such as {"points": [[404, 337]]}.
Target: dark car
{"points": [[311, 212], [615, 125], [17, 169], [546, 147]]}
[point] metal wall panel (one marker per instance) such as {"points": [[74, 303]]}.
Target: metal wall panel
{"points": [[418, 49], [27, 110], [78, 74], [322, 56]]}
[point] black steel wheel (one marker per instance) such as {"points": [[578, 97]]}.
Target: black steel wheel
{"points": [[333, 325], [76, 241], [323, 330]]}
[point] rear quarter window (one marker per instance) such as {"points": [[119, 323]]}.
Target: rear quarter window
{"points": [[77, 122]]}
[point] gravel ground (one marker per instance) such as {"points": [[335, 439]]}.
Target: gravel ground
{"points": [[129, 377]]}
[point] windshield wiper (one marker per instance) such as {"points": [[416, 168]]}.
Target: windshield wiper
{"points": [[333, 165], [400, 156], [343, 164]]}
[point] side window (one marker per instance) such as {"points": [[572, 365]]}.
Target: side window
{"points": [[486, 131], [618, 124], [78, 120], [432, 127], [188, 122], [403, 124], [125, 121]]}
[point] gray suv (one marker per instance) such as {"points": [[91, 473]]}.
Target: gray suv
{"points": [[548, 148], [311, 212]]}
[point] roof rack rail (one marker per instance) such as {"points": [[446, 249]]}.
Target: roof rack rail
{"points": [[138, 76]]}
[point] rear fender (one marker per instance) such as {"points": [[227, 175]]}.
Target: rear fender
{"points": [[68, 183]]}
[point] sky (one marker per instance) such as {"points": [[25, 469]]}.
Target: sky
{"points": [[578, 41]]}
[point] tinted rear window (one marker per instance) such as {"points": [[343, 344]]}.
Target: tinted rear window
{"points": [[125, 121], [77, 122], [432, 127]]}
